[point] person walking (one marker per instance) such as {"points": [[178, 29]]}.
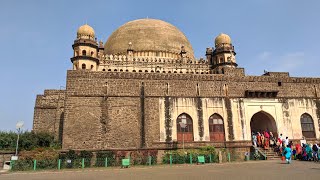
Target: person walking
{"points": [[298, 151], [286, 141], [259, 139], [262, 140], [266, 140], [309, 152], [280, 140], [254, 139], [287, 153], [272, 140], [315, 149]]}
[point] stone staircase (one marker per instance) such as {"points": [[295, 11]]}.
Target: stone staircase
{"points": [[271, 155]]}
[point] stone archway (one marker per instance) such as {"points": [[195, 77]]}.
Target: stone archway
{"points": [[262, 121]]}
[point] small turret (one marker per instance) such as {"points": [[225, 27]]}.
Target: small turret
{"points": [[183, 54], [130, 51], [223, 55], [85, 49]]}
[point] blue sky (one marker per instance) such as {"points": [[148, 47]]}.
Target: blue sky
{"points": [[36, 38]]}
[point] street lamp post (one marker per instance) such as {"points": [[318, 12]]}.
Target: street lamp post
{"points": [[19, 126]]}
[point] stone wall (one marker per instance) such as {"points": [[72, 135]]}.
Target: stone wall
{"points": [[105, 110], [48, 112], [82, 127], [186, 85]]}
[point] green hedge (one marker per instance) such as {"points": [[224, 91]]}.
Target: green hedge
{"points": [[74, 160], [27, 140], [181, 157], [101, 157]]}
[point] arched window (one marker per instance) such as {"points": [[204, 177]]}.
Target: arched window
{"points": [[83, 66], [184, 132], [91, 66], [84, 53], [307, 126], [91, 53], [216, 128]]}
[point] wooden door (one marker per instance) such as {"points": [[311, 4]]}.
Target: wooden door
{"points": [[186, 131], [216, 128]]}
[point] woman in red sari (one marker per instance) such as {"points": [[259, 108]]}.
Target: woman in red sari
{"points": [[298, 150], [259, 139]]}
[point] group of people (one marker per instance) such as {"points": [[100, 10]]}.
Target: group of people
{"points": [[264, 139], [286, 148], [306, 152]]}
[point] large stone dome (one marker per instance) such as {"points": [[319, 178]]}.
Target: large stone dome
{"points": [[148, 35]]}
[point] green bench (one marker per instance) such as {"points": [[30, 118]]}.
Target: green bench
{"points": [[125, 163], [201, 159]]}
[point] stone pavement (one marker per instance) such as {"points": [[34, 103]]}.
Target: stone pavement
{"points": [[257, 170]]}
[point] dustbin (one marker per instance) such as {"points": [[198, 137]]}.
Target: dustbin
{"points": [[7, 165], [247, 156]]}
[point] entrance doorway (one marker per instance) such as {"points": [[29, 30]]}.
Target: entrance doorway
{"points": [[262, 121]]}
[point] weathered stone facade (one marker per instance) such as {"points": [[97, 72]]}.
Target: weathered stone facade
{"points": [[128, 103]]}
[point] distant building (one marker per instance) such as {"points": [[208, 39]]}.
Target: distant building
{"points": [[136, 90]]}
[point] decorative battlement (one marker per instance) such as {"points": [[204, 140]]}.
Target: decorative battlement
{"points": [[152, 64], [151, 59]]}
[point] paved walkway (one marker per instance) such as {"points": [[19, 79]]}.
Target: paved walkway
{"points": [[256, 170]]}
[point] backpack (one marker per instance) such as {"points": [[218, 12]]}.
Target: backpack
{"points": [[315, 148]]}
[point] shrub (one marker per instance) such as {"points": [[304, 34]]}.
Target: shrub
{"points": [[101, 157], [87, 156], [27, 140], [46, 159], [180, 156]]}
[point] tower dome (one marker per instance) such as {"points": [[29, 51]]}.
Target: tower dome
{"points": [[148, 36], [222, 39], [85, 30]]}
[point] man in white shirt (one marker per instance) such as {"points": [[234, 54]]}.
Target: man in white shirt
{"points": [[286, 141]]}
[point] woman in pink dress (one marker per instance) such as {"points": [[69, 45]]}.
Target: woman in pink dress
{"points": [[266, 140]]}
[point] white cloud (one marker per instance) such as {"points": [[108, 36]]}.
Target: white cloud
{"points": [[287, 62], [264, 56], [290, 61]]}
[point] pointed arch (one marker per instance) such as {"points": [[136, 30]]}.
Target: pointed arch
{"points": [[307, 126], [216, 128], [186, 132], [263, 121]]}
